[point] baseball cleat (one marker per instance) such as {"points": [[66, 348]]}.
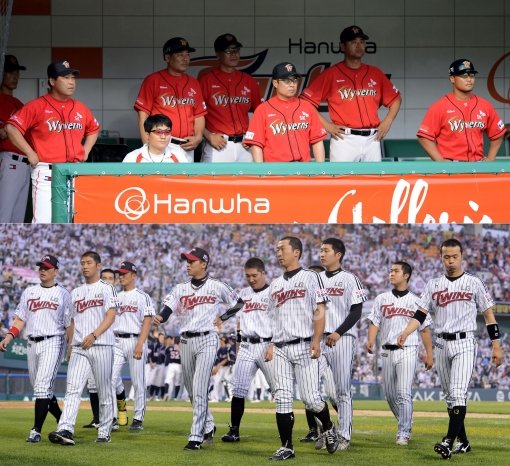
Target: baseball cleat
{"points": [[62, 437], [443, 449], [332, 439], [402, 440], [311, 436], [320, 444], [92, 425], [209, 436], [106, 439], [282, 454], [459, 448], [191, 446], [136, 425], [115, 425], [232, 435], [343, 443], [34, 436]]}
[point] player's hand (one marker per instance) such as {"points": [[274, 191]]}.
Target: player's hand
{"points": [[156, 320], [269, 353], [217, 141], [5, 342], [33, 159], [315, 350], [332, 339], [69, 352], [218, 322], [336, 131], [138, 351], [401, 340], [497, 355], [193, 142], [88, 341], [370, 347], [214, 370], [382, 130], [429, 361], [3, 133]]}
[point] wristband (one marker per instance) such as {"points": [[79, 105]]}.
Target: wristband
{"points": [[14, 331], [94, 335], [493, 331], [238, 339], [420, 316]]}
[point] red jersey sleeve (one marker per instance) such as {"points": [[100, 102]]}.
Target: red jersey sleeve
{"points": [[256, 131], [317, 131], [495, 125], [145, 98], [317, 91]]}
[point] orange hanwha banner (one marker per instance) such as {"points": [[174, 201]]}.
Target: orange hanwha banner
{"points": [[287, 199]]}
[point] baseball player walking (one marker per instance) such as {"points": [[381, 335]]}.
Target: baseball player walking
{"points": [[254, 336], [14, 168], [196, 303], [390, 314], [453, 127], [93, 308], [455, 298], [131, 328], [49, 130], [229, 95], [297, 306], [43, 311], [174, 93], [283, 128], [354, 92], [346, 295]]}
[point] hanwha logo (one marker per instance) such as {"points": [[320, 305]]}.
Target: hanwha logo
{"points": [[132, 202]]}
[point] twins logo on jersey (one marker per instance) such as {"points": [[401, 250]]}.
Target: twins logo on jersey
{"points": [[389, 311], [36, 304], [281, 297], [82, 305], [250, 305], [131, 307], [190, 301], [443, 297], [338, 289]]}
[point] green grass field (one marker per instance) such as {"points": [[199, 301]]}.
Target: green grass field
{"points": [[167, 426]]}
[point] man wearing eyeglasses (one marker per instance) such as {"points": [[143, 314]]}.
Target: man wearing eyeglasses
{"points": [[158, 149], [283, 128], [174, 93], [452, 129], [230, 95]]}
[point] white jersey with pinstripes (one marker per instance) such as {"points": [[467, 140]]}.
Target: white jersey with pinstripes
{"points": [[254, 318], [343, 290], [197, 307], [134, 305], [293, 303], [456, 302], [90, 302], [45, 311], [391, 314]]}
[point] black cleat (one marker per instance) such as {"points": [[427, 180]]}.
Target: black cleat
{"points": [[209, 436], [106, 439], [232, 435], [191, 446], [92, 425], [62, 437], [443, 449], [136, 425], [461, 447], [311, 436], [282, 454], [34, 436]]}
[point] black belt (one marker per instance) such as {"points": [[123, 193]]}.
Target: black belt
{"points": [[20, 158], [38, 339], [179, 142], [362, 132], [292, 342], [127, 335], [255, 340], [453, 336], [236, 138], [194, 334], [390, 347]]}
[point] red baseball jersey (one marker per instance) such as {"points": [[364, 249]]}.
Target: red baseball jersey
{"points": [[354, 96], [284, 130], [8, 106], [229, 97], [178, 97], [457, 126], [55, 128]]}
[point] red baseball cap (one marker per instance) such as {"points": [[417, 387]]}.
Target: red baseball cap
{"points": [[126, 267], [196, 254], [48, 261]]}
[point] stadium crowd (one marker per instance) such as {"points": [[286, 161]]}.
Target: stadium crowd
{"points": [[371, 249]]}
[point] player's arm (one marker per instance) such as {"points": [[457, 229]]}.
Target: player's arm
{"points": [[430, 147], [69, 335], [414, 323], [105, 324], [335, 130], [385, 125], [319, 322], [89, 142], [349, 322], [257, 153], [198, 133], [142, 116], [426, 337], [230, 312], [494, 146], [494, 335], [142, 338], [215, 140], [21, 143], [373, 330], [13, 332], [319, 153]]}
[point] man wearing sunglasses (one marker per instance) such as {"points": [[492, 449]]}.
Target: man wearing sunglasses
{"points": [[229, 94], [158, 130]]}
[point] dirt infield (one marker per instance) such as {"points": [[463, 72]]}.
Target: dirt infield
{"points": [[226, 409]]}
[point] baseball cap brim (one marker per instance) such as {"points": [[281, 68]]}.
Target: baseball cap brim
{"points": [[188, 256], [124, 271], [45, 264]]}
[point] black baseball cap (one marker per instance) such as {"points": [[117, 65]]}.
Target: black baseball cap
{"points": [[175, 45], [462, 66], [225, 41], [284, 70], [196, 254], [126, 267], [61, 68], [48, 261], [351, 33], [11, 64]]}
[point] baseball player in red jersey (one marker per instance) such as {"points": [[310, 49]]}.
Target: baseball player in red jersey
{"points": [[93, 308], [455, 298], [354, 92], [390, 314], [158, 148], [229, 95], [453, 127], [43, 311], [49, 130], [174, 93], [283, 128], [14, 168]]}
